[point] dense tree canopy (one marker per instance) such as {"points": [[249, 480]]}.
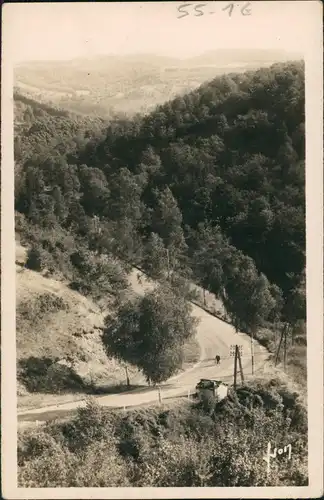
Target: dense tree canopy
{"points": [[46, 132], [208, 188], [210, 183], [151, 332]]}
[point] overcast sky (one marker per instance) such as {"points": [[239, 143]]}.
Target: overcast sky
{"points": [[47, 31]]}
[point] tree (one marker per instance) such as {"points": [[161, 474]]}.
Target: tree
{"points": [[150, 161], [155, 258], [77, 218], [60, 209], [150, 333], [95, 190], [167, 222], [99, 276], [34, 258], [125, 197], [248, 298], [294, 307], [208, 256], [126, 242], [168, 218]]}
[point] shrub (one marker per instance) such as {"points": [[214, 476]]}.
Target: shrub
{"points": [[91, 423], [43, 462], [100, 465], [50, 249], [34, 444], [33, 310], [137, 433], [35, 258], [20, 223], [184, 462], [48, 375], [81, 453], [183, 446], [98, 276]]}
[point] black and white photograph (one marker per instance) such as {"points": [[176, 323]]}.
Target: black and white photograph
{"points": [[162, 250]]}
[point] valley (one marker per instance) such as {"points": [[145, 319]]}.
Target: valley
{"points": [[160, 221], [106, 87]]}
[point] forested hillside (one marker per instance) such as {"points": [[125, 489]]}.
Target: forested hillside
{"points": [[209, 186], [44, 130], [232, 154]]}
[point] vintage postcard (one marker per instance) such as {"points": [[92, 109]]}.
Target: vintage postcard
{"points": [[162, 250]]}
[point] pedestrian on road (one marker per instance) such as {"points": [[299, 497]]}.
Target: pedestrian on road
{"points": [[217, 358]]}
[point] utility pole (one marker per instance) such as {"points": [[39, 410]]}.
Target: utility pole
{"points": [[168, 260], [235, 367], [252, 352], [160, 395], [127, 377], [285, 349], [240, 364], [280, 342]]}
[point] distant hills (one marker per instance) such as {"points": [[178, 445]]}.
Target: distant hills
{"points": [[106, 85], [242, 56]]}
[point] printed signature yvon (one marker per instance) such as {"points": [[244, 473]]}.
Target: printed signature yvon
{"points": [[276, 452]]}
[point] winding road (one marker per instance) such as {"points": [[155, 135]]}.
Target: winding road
{"points": [[214, 336]]}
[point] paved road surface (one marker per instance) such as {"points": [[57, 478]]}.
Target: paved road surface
{"points": [[214, 337]]}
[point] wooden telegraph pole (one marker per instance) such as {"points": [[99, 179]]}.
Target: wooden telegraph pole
{"points": [[280, 342], [127, 377], [168, 259], [235, 367], [160, 395], [285, 348], [240, 364], [252, 352]]}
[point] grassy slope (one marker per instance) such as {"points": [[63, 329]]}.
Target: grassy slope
{"points": [[58, 326], [70, 333]]}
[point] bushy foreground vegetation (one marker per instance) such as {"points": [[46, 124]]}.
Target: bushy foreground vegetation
{"points": [[189, 445], [55, 361]]}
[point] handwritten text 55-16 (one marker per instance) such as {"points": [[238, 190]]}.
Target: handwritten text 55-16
{"points": [[200, 9]]}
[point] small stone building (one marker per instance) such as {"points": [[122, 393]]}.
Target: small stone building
{"points": [[207, 388]]}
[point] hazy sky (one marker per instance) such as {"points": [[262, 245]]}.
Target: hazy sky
{"points": [[47, 31]]}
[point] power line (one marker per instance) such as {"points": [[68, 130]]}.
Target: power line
{"points": [[242, 357]]}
